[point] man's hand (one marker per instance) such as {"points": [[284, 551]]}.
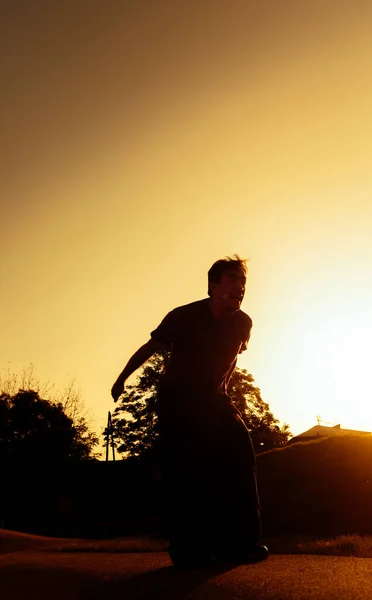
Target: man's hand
{"points": [[117, 389]]}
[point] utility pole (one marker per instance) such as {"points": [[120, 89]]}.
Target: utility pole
{"points": [[109, 436]]}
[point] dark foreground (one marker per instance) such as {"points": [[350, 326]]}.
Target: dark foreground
{"points": [[57, 575]]}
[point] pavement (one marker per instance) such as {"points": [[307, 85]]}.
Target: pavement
{"points": [[42, 570]]}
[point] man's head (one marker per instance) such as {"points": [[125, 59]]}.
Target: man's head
{"points": [[226, 282]]}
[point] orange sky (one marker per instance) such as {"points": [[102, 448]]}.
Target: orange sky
{"points": [[142, 141]]}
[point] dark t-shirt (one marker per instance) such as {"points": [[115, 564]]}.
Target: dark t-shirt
{"points": [[204, 349]]}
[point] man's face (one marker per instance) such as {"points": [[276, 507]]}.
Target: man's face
{"points": [[229, 292]]}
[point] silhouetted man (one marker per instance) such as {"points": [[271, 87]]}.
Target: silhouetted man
{"points": [[207, 455]]}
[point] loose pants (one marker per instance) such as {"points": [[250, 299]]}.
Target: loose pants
{"points": [[209, 471]]}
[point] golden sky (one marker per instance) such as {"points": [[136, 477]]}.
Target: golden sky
{"points": [[141, 141]]}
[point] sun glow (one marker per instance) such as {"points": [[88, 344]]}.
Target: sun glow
{"points": [[336, 355]]}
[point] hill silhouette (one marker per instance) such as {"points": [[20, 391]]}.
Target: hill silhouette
{"points": [[320, 487]]}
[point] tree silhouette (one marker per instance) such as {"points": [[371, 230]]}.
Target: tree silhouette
{"points": [[264, 428], [37, 431], [27, 379], [69, 401], [134, 421]]}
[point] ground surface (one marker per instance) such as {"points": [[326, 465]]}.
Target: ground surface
{"points": [[39, 568]]}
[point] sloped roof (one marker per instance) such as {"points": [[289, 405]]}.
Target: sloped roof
{"points": [[319, 431]]}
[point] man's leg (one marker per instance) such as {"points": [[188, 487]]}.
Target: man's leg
{"points": [[236, 494], [185, 491]]}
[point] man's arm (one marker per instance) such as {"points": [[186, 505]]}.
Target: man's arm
{"points": [[136, 361]]}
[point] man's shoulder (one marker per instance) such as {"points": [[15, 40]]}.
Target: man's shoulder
{"points": [[244, 320], [192, 308]]}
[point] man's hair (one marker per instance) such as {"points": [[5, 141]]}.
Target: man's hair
{"points": [[223, 265]]}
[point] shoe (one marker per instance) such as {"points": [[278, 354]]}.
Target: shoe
{"points": [[189, 559], [252, 553]]}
